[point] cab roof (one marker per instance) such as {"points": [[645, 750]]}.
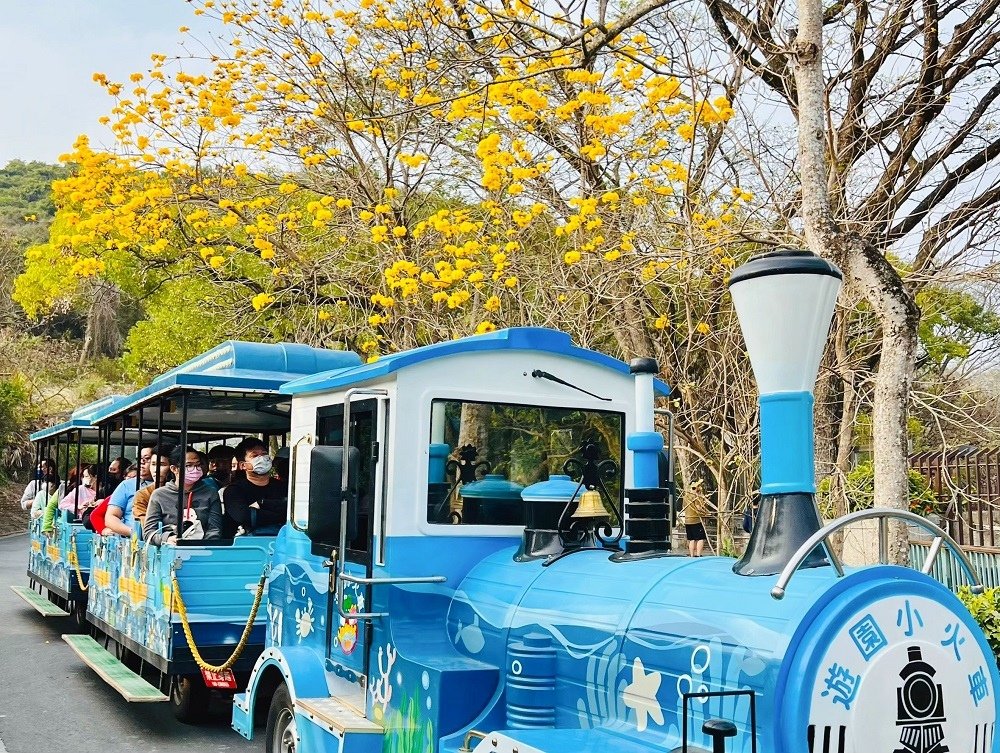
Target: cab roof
{"points": [[515, 338]]}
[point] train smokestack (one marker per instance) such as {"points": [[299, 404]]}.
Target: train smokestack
{"points": [[785, 301]]}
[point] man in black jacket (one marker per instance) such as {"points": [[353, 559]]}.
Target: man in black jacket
{"points": [[256, 503]]}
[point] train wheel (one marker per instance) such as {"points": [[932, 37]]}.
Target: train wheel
{"points": [[188, 698], [281, 735]]}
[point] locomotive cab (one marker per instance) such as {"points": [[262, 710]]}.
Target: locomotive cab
{"points": [[439, 444]]}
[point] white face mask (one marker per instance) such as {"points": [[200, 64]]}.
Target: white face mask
{"points": [[261, 465]]}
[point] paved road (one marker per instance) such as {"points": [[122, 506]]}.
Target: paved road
{"points": [[50, 702]]}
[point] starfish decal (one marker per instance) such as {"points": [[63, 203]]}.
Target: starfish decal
{"points": [[640, 695]]}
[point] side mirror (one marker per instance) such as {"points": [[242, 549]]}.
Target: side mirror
{"points": [[325, 479]]}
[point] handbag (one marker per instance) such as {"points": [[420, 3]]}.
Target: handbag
{"points": [[191, 526]]}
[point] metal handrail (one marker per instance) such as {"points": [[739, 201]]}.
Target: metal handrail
{"points": [[883, 514], [291, 489], [392, 581], [347, 577], [344, 490]]}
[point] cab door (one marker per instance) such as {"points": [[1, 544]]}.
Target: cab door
{"points": [[347, 638]]}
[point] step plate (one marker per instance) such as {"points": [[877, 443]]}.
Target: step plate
{"points": [[44, 607], [337, 715], [132, 687]]}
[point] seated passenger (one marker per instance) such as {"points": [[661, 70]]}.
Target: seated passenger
{"points": [[117, 469], [119, 517], [47, 493], [254, 503], [220, 464], [202, 516], [78, 499], [159, 468], [44, 468], [94, 521]]}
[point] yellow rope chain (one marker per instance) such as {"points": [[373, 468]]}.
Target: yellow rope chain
{"points": [[182, 611], [75, 561]]}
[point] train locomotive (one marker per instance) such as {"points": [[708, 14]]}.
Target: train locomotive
{"points": [[477, 559], [458, 575]]}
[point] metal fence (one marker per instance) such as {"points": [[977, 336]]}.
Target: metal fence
{"points": [[947, 569], [966, 482]]}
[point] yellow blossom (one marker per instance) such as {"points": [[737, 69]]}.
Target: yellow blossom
{"points": [[261, 300]]}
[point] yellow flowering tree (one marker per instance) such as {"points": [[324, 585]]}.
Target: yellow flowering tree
{"points": [[393, 172]]}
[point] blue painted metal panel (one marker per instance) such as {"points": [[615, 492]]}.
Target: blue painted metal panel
{"points": [[131, 591], [50, 557], [298, 597], [234, 356], [633, 637], [786, 443], [515, 338]]}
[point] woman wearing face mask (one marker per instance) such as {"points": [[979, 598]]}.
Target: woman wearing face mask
{"points": [[80, 498], [202, 514], [257, 502]]}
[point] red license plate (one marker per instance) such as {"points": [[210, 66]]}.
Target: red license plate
{"points": [[221, 680]]}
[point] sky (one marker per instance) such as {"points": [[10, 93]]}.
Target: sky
{"points": [[49, 50]]}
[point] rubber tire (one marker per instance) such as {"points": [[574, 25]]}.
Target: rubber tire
{"points": [[189, 698], [280, 723]]}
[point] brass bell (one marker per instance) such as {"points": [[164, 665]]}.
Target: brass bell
{"points": [[591, 505]]}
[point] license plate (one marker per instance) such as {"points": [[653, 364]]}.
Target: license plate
{"points": [[221, 680]]}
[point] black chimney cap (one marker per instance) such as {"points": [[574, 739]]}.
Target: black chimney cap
{"points": [[643, 366], [784, 261]]}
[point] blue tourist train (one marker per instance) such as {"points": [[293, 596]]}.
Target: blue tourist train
{"points": [[477, 559]]}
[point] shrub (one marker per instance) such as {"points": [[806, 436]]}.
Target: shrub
{"points": [[985, 609], [15, 415], [861, 491]]}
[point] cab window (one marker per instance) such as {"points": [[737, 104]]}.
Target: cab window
{"points": [[482, 454]]}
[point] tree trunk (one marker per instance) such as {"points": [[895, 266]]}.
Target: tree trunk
{"points": [[897, 312], [102, 337], [845, 431], [827, 417]]}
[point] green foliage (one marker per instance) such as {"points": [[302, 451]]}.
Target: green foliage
{"points": [[178, 326], [985, 610], [860, 491], [26, 206], [16, 413], [951, 321]]}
